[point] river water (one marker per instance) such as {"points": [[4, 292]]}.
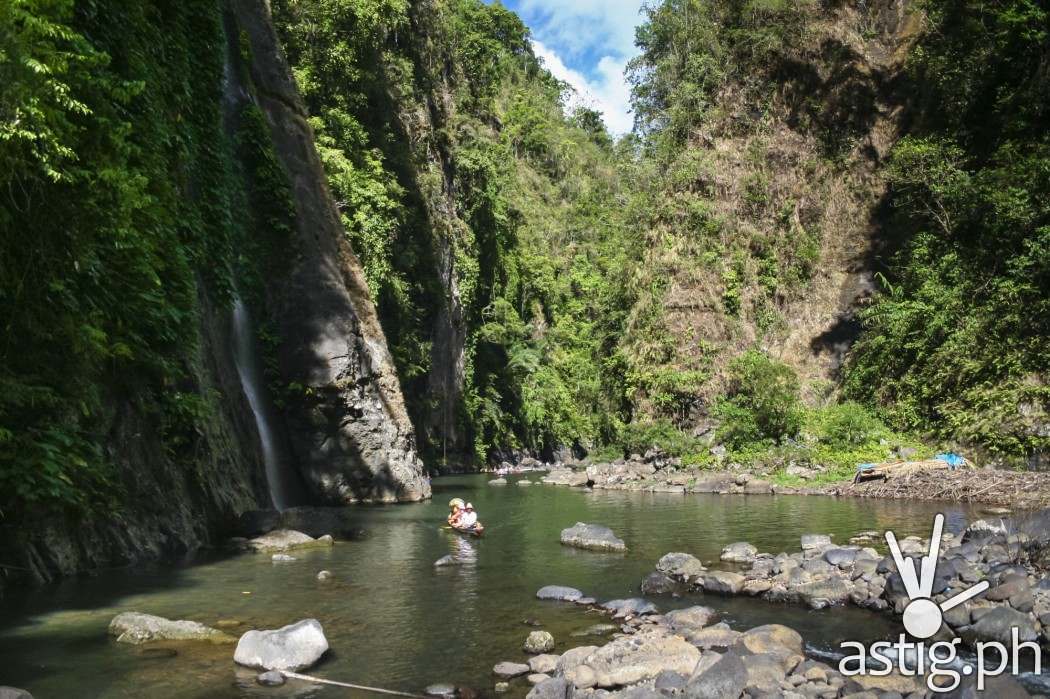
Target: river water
{"points": [[395, 621]]}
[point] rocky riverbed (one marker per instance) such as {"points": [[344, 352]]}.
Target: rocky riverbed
{"points": [[657, 472]]}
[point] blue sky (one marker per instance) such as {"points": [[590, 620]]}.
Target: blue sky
{"points": [[587, 43]]}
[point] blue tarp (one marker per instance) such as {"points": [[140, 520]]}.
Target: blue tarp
{"points": [[953, 460]]}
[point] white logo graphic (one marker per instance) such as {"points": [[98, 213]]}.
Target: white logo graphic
{"points": [[923, 617]]}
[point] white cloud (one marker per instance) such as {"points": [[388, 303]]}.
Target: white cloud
{"points": [[579, 27], [608, 93]]}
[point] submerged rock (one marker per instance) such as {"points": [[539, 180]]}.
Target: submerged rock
{"points": [[324, 576], [291, 647], [270, 678], [135, 627], [286, 540], [594, 537], [440, 690], [508, 670]]}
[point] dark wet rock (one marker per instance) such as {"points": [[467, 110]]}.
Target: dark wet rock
{"points": [[291, 647], [740, 552], [538, 642], [553, 688], [559, 592], [507, 670], [593, 537], [996, 625], [256, 522], [725, 678], [135, 627], [440, 690], [157, 653], [1001, 687], [656, 583], [1008, 588], [681, 566], [635, 606], [270, 678], [722, 582]]}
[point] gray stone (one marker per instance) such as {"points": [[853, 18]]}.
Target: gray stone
{"points": [[643, 656], [442, 689], [282, 558], [725, 678], [657, 583], [537, 677], [823, 593], [270, 678], [635, 606], [507, 670], [717, 636], [286, 540], [14, 693], [813, 543], [553, 688], [681, 566], [538, 642], [740, 552], [324, 575], [559, 592], [593, 537], [691, 618], [291, 647], [573, 658], [135, 627], [669, 682], [723, 582], [841, 557], [543, 663]]}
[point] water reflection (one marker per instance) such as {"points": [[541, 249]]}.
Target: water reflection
{"points": [[394, 620]]}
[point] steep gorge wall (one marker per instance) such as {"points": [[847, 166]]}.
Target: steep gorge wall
{"points": [[347, 433]]}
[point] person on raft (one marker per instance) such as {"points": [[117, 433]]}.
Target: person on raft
{"points": [[469, 518], [456, 507]]}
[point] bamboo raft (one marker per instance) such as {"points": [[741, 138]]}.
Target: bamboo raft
{"points": [[898, 469]]}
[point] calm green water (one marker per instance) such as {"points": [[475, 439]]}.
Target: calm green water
{"points": [[395, 621]]}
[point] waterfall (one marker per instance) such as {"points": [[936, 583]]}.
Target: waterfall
{"points": [[247, 363]]}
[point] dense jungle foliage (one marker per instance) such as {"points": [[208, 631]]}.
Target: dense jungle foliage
{"points": [[448, 148]]}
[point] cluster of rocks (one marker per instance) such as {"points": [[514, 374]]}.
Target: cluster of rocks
{"points": [[691, 653], [655, 472], [822, 574]]}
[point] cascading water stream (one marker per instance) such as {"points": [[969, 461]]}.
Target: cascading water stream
{"points": [[248, 369]]}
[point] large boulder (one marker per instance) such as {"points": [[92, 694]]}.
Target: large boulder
{"points": [[690, 618], [641, 657], [286, 540], [291, 647], [544, 664], [552, 688], [825, 592], [559, 592], [777, 641], [681, 566], [997, 625], [594, 537], [135, 627]]}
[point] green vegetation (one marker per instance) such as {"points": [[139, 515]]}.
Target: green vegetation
{"points": [[606, 293]]}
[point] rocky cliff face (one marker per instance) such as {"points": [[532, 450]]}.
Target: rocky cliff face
{"points": [[347, 434], [350, 433]]}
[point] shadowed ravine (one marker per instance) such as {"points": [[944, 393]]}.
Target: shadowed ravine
{"points": [[393, 620]]}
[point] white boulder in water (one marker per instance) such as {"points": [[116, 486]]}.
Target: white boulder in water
{"points": [[286, 540], [135, 627], [592, 536], [292, 647]]}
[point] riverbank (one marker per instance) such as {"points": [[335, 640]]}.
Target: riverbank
{"points": [[654, 472]]}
